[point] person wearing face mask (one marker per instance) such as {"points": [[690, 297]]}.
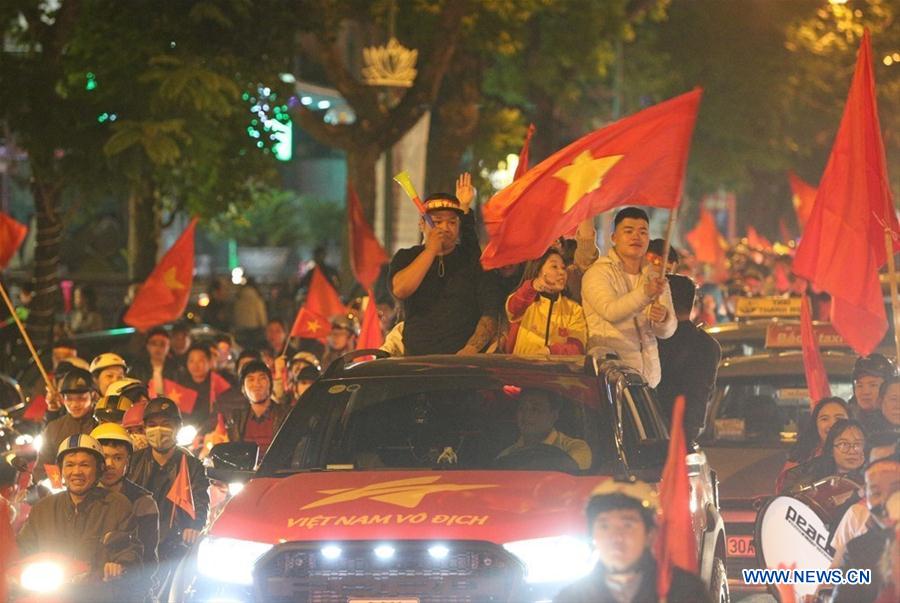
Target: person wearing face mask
{"points": [[259, 420], [156, 468], [79, 521], [812, 437], [117, 451], [866, 551], [78, 398], [621, 519], [133, 422], [543, 318]]}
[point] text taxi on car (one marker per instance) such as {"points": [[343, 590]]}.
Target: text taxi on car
{"points": [[438, 478]]}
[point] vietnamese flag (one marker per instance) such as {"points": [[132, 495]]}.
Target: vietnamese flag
{"points": [[757, 241], [522, 166], [366, 253], [842, 248], [164, 295], [12, 233], [675, 543], [180, 493], [706, 240], [184, 397], [804, 196], [816, 375], [313, 321], [370, 335], [638, 160]]}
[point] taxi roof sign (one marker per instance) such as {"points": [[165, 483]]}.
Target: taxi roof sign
{"points": [[755, 307], [782, 336]]}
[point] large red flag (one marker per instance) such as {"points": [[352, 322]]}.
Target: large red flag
{"points": [[370, 335], [322, 302], [180, 493], [164, 295], [184, 397], [816, 375], [843, 247], [366, 253], [638, 160], [522, 166], [12, 233], [675, 543], [706, 240], [804, 196]]}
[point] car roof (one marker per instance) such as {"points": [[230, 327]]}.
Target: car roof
{"points": [[477, 365], [837, 364]]}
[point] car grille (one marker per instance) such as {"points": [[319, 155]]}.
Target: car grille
{"points": [[471, 572]]}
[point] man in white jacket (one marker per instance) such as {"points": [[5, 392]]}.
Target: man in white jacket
{"points": [[626, 301]]}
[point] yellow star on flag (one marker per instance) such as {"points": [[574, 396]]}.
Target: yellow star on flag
{"points": [[313, 325], [174, 395], [584, 175], [170, 278]]}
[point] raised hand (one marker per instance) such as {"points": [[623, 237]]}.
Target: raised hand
{"points": [[465, 192]]}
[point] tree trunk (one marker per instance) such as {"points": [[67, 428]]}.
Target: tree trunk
{"points": [[361, 160], [143, 232], [46, 263]]}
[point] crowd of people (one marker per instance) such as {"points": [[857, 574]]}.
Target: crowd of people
{"points": [[112, 426]]}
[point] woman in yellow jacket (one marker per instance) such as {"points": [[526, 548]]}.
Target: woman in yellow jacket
{"points": [[543, 320]]}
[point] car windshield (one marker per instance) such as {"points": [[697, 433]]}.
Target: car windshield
{"points": [[764, 410], [446, 424]]}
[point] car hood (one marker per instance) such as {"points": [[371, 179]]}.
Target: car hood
{"points": [[745, 473], [495, 506]]}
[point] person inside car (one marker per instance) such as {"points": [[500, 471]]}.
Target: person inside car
{"points": [[107, 368], [843, 453], [543, 318], [812, 438], [621, 520], [536, 417], [869, 373], [78, 397], [156, 468], [77, 521], [117, 451]]}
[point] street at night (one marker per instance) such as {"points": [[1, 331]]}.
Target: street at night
{"points": [[450, 301]]}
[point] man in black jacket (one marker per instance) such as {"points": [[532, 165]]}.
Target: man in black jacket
{"points": [[621, 520], [689, 360]]}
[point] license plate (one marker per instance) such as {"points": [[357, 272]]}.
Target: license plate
{"points": [[741, 546]]}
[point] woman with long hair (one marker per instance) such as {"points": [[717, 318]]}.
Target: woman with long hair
{"points": [[812, 437], [843, 453], [543, 318]]}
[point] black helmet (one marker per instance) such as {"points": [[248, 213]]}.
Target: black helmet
{"points": [[255, 366], [76, 381], [874, 365], [163, 407], [307, 373]]}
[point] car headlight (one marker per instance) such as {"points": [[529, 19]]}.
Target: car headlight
{"points": [[42, 577], [553, 559], [229, 559], [186, 435]]}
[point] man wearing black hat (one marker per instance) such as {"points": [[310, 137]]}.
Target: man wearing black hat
{"points": [[868, 375], [156, 468], [78, 397], [259, 420], [449, 302]]}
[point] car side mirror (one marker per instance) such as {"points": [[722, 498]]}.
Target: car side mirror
{"points": [[239, 456]]}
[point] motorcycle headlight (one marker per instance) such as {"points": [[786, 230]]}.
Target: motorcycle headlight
{"points": [[553, 559], [229, 559], [42, 577], [186, 435]]}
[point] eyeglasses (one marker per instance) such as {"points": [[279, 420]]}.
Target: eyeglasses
{"points": [[848, 446]]}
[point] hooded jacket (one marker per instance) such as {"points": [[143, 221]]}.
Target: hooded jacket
{"points": [[616, 319]]}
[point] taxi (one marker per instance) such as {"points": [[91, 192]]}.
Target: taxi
{"points": [[761, 402], [403, 480]]}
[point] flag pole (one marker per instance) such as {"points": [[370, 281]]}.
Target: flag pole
{"points": [[34, 354], [668, 244], [892, 277]]}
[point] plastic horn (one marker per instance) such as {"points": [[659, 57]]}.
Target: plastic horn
{"points": [[406, 184]]}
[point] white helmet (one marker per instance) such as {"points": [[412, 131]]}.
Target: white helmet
{"points": [[82, 442], [107, 360]]}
